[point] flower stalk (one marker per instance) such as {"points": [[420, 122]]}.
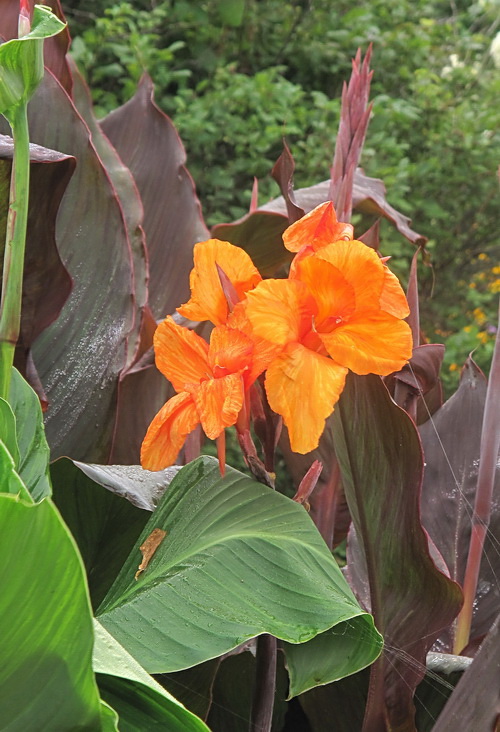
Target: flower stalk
{"points": [[15, 242]]}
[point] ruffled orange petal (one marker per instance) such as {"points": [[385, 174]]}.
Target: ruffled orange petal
{"points": [[218, 403], [168, 431], [393, 299], [316, 229], [208, 301], [360, 266], [180, 354], [335, 297], [370, 343], [303, 387], [280, 311], [230, 351]]}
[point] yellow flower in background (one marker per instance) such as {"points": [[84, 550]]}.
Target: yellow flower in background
{"points": [[479, 316]]}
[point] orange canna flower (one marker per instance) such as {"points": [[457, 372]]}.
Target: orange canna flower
{"points": [[211, 381], [342, 310], [208, 300]]}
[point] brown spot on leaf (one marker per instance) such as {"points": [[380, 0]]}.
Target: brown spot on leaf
{"points": [[148, 549]]}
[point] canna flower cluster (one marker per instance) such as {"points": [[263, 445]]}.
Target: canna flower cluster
{"points": [[340, 309]]}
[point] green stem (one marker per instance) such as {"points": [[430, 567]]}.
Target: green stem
{"points": [[13, 266]]}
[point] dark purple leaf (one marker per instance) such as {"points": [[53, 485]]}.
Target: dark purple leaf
{"points": [[328, 506], [55, 48], [193, 687], [282, 173], [46, 284], [381, 465], [81, 355], [232, 694], [483, 500], [368, 197], [150, 147], [417, 387], [341, 703], [451, 441], [141, 394], [371, 237], [417, 378], [129, 202], [475, 702], [260, 235]]}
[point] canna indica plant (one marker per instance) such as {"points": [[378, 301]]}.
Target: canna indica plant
{"points": [[220, 585]]}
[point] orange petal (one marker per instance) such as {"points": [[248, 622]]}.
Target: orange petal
{"points": [[230, 351], [334, 296], [303, 387], [263, 350], [370, 343], [218, 402], [180, 354], [168, 431], [360, 266], [316, 229], [392, 299], [280, 311], [208, 301]]}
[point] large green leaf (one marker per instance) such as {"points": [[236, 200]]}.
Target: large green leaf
{"points": [[8, 431], [237, 560], [34, 453], [10, 481], [46, 677], [140, 700], [333, 655]]}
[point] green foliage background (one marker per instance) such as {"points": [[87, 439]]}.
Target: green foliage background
{"points": [[238, 75]]}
